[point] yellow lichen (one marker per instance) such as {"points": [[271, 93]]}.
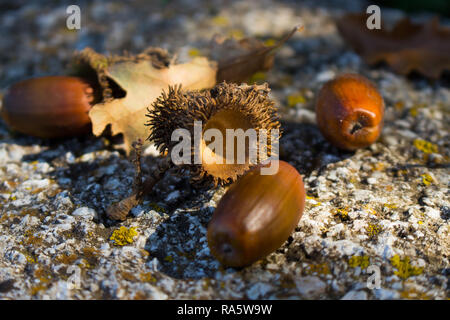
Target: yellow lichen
{"points": [[220, 21], [314, 201], [67, 258], [270, 42], [36, 191], [320, 269], [194, 52], [43, 275], [91, 256], [370, 210], [35, 289], [30, 259], [401, 172], [390, 205], [425, 146], [427, 179], [295, 99], [257, 77], [413, 294], [342, 213], [168, 258], [140, 295], [324, 230], [378, 166], [157, 208], [147, 277], [123, 236], [128, 276], [236, 34], [359, 261], [414, 111], [206, 283], [404, 268], [373, 229], [30, 238], [85, 264]]}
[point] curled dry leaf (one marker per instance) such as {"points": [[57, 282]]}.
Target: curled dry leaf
{"points": [[239, 59], [128, 85], [408, 47], [131, 84]]}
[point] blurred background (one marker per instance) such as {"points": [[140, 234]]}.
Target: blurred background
{"points": [[35, 40]]}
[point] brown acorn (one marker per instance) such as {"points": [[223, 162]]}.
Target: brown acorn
{"points": [[256, 215], [49, 107], [350, 111]]}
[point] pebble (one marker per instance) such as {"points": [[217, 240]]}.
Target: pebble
{"points": [[386, 294], [310, 286], [325, 76], [85, 213], [355, 295], [258, 291]]}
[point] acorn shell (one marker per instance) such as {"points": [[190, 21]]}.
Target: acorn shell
{"points": [[49, 107], [256, 215], [350, 112], [226, 106]]}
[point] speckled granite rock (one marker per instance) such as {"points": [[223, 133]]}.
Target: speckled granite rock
{"points": [[385, 206]]}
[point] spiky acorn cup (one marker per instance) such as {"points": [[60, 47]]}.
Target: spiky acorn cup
{"points": [[226, 106]]}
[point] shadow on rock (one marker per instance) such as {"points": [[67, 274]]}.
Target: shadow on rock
{"points": [[179, 242], [303, 146]]}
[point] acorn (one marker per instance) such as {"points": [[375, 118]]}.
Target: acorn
{"points": [[226, 106], [350, 111], [49, 107], [256, 215]]}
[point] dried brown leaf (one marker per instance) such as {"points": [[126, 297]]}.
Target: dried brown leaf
{"points": [[408, 47], [143, 82], [239, 59]]}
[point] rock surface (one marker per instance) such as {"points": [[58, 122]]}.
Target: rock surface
{"points": [[383, 210]]}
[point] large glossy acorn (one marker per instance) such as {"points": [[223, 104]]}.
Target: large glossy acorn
{"points": [[350, 111], [256, 215], [49, 107]]}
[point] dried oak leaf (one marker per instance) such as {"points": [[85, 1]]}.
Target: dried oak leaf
{"points": [[142, 78], [240, 59], [127, 85], [408, 47]]}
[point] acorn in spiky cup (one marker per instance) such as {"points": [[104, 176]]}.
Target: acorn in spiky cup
{"points": [[226, 106]]}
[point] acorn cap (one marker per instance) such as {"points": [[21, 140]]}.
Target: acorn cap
{"points": [[226, 106]]}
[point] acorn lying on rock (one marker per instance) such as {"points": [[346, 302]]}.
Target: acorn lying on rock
{"points": [[49, 107], [256, 215], [350, 111]]}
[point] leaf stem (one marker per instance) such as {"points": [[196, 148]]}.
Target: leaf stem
{"points": [[120, 210]]}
